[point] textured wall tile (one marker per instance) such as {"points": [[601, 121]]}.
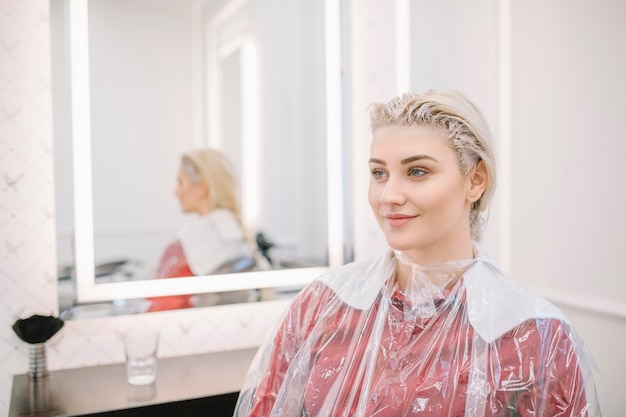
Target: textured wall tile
{"points": [[27, 253]]}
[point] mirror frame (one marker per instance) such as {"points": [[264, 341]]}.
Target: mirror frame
{"points": [[86, 288]]}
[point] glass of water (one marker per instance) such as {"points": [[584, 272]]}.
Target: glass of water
{"points": [[141, 345]]}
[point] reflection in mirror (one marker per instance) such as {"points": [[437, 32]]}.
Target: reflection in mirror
{"points": [[152, 79]]}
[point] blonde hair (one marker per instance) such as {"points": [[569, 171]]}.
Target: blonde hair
{"points": [[215, 170], [465, 127]]}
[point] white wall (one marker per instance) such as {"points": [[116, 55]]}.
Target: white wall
{"points": [[568, 107]]}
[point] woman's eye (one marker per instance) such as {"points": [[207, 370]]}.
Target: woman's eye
{"points": [[416, 172], [378, 174]]}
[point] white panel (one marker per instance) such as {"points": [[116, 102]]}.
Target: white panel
{"points": [[568, 108]]}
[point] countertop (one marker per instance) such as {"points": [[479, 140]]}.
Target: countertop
{"points": [[101, 389]]}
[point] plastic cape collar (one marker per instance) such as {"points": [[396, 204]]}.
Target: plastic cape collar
{"points": [[495, 304]]}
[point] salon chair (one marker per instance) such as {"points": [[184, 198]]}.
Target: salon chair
{"points": [[238, 265]]}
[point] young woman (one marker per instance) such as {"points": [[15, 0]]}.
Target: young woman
{"points": [[432, 327], [214, 236]]}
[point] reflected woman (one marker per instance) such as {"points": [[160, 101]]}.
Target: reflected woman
{"points": [[214, 240]]}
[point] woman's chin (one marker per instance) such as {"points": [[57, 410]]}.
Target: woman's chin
{"points": [[402, 246]]}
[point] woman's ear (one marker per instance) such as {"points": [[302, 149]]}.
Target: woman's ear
{"points": [[204, 190], [204, 195], [478, 178]]}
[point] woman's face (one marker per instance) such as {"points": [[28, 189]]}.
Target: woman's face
{"points": [[193, 197], [418, 193]]}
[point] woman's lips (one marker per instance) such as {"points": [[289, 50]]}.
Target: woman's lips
{"points": [[396, 220]]}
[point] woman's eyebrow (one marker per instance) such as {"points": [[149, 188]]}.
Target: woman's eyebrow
{"points": [[404, 161], [417, 158]]}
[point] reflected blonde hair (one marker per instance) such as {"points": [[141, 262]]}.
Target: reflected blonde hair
{"points": [[464, 125], [215, 170]]}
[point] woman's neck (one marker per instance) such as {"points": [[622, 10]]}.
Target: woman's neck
{"points": [[404, 269], [205, 209]]}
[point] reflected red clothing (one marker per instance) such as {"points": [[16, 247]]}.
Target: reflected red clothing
{"points": [[205, 244], [421, 366], [173, 264]]}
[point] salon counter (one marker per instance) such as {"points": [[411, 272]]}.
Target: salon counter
{"points": [[205, 384]]}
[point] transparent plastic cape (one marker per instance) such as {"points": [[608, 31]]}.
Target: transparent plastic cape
{"points": [[461, 339]]}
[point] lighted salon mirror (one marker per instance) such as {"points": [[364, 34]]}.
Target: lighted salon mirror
{"points": [[152, 79]]}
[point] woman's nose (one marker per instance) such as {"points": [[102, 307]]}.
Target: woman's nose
{"points": [[393, 192]]}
